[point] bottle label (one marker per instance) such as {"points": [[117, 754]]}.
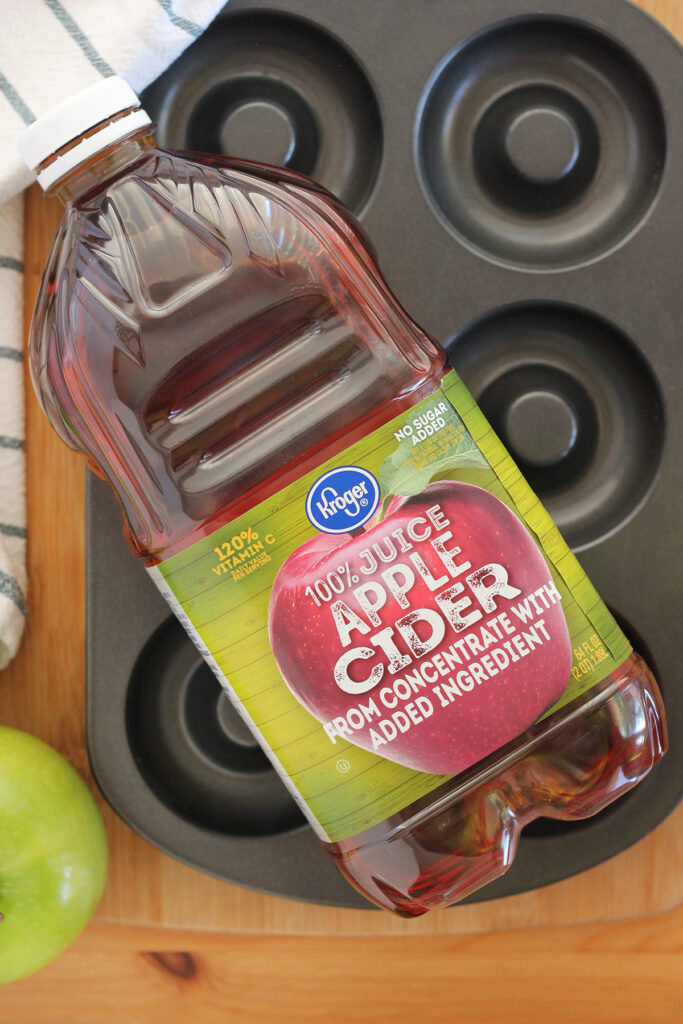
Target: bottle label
{"points": [[395, 615]]}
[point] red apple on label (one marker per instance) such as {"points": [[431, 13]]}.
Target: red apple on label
{"points": [[433, 638]]}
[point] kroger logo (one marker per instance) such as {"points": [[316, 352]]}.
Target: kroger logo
{"points": [[342, 500]]}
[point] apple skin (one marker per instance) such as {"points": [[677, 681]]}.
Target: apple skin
{"points": [[306, 644], [53, 854]]}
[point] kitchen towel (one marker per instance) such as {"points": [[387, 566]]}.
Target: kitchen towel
{"points": [[49, 50]]}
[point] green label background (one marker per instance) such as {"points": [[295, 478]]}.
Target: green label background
{"points": [[345, 788]]}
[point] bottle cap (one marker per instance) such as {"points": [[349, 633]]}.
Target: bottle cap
{"points": [[97, 105]]}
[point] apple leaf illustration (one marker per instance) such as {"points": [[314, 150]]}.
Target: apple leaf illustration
{"points": [[432, 442]]}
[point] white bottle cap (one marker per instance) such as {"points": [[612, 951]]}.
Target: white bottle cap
{"points": [[95, 105]]}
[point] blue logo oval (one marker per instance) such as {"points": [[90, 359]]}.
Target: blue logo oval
{"points": [[342, 499]]}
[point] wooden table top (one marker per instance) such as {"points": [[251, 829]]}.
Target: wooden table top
{"points": [[169, 941]]}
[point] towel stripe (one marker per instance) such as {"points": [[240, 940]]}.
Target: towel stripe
{"points": [[15, 100], [11, 442], [191, 27], [11, 263], [79, 37], [11, 589], [7, 530], [11, 353]]}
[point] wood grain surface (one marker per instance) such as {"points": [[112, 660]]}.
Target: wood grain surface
{"points": [[626, 973], [168, 940]]}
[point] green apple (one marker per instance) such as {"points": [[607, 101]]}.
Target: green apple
{"points": [[53, 854]]}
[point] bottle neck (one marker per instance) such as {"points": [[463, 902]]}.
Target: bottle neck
{"points": [[101, 165]]}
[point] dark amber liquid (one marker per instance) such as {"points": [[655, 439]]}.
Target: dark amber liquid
{"points": [[206, 333]]}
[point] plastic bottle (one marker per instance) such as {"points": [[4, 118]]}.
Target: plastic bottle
{"points": [[215, 336]]}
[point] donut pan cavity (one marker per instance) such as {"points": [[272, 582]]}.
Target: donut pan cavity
{"points": [[517, 167]]}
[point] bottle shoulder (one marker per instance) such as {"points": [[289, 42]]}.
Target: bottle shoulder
{"points": [[154, 237], [274, 209], [201, 331]]}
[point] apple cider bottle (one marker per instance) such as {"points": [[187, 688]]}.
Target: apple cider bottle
{"points": [[326, 510]]}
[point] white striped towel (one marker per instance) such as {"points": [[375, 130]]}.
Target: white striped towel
{"points": [[49, 50]]}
